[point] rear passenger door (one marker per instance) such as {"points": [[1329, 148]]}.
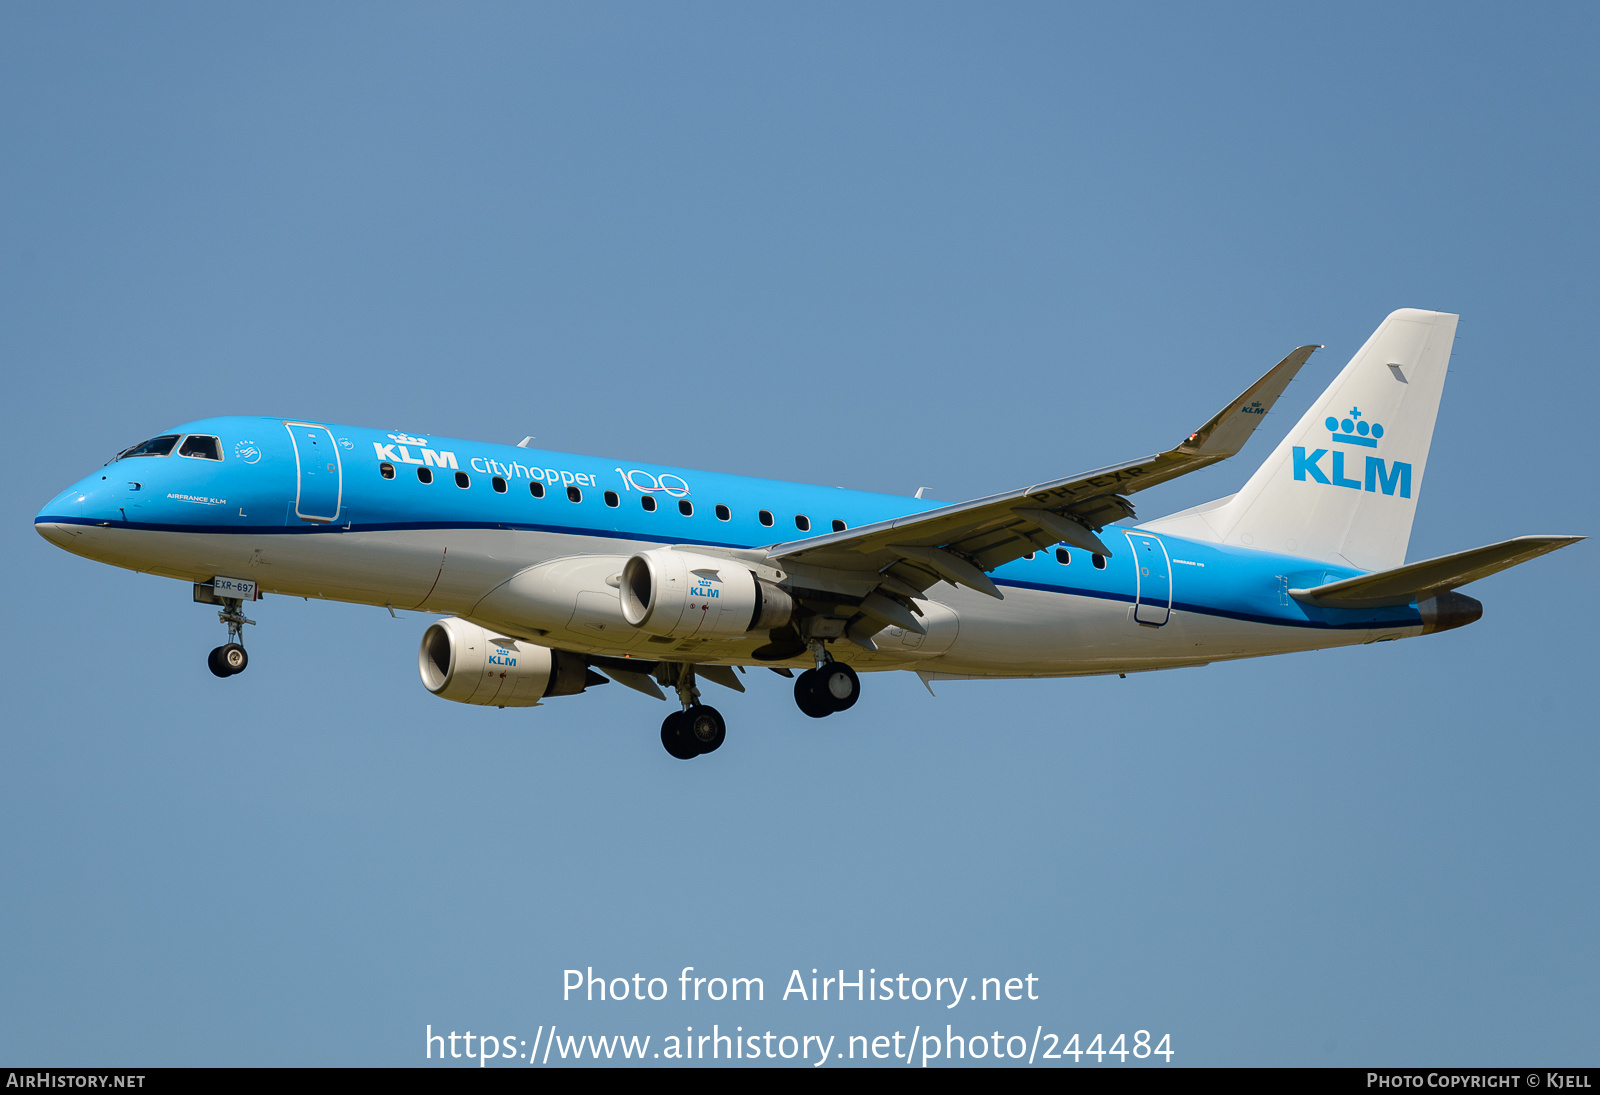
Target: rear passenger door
{"points": [[1153, 595]]}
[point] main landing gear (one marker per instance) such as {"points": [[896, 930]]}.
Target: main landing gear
{"points": [[688, 733], [697, 728], [230, 658], [831, 686]]}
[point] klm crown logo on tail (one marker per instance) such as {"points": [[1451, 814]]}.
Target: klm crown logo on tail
{"points": [[1353, 430]]}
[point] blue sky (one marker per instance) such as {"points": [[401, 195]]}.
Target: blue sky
{"points": [[880, 246]]}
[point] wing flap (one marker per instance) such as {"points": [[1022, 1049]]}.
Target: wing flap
{"points": [[639, 682], [720, 674]]}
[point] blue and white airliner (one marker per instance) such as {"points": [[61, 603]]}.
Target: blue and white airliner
{"points": [[554, 573]]}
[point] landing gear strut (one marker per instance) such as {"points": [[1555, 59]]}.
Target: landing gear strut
{"points": [[831, 686], [230, 658], [697, 728]]}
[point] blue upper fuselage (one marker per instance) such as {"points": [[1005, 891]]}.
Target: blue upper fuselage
{"points": [[277, 476]]}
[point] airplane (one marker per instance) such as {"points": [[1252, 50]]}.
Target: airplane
{"points": [[555, 572]]}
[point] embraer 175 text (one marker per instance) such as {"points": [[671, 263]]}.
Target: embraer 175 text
{"points": [[549, 566]]}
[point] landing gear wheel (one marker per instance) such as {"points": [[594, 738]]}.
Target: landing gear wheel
{"points": [[703, 728], [227, 660], [675, 739], [839, 684], [233, 657], [821, 692], [811, 695]]}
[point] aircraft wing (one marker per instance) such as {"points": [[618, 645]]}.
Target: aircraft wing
{"points": [[960, 543]]}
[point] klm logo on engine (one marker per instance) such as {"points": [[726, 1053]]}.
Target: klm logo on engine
{"points": [[704, 588], [1354, 430], [400, 452], [502, 656]]}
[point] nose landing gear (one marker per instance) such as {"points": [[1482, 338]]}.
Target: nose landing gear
{"points": [[230, 658]]}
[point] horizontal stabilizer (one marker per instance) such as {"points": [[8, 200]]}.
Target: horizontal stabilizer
{"points": [[1431, 577]]}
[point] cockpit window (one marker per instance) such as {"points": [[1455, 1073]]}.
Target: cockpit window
{"points": [[197, 444], [156, 446]]}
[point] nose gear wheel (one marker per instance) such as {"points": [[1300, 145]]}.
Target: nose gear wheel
{"points": [[230, 658], [227, 660]]}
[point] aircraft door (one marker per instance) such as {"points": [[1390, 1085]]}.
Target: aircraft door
{"points": [[319, 472], [1153, 595]]}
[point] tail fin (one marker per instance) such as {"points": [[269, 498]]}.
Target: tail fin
{"points": [[1343, 486]]}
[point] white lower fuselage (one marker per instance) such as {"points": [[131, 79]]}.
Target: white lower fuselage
{"points": [[555, 590]]}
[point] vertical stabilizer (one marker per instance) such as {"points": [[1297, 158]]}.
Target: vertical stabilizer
{"points": [[1343, 486]]}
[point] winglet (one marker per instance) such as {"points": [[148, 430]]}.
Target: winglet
{"points": [[1226, 434]]}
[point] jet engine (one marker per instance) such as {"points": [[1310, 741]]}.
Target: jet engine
{"points": [[682, 594], [462, 662]]}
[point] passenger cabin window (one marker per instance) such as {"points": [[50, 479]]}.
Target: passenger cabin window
{"points": [[1099, 561], [386, 470], [647, 502], [765, 517], [536, 489], [463, 480], [574, 494], [156, 446], [686, 507], [1063, 556], [722, 513], [424, 475], [838, 525], [202, 447], [802, 522], [612, 500], [498, 484]]}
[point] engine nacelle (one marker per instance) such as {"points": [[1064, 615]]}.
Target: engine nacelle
{"points": [[681, 594], [462, 662]]}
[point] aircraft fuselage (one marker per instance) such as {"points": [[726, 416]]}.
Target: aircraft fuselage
{"points": [[530, 543]]}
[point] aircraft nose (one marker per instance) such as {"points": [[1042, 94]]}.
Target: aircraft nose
{"points": [[55, 521], [57, 532]]}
